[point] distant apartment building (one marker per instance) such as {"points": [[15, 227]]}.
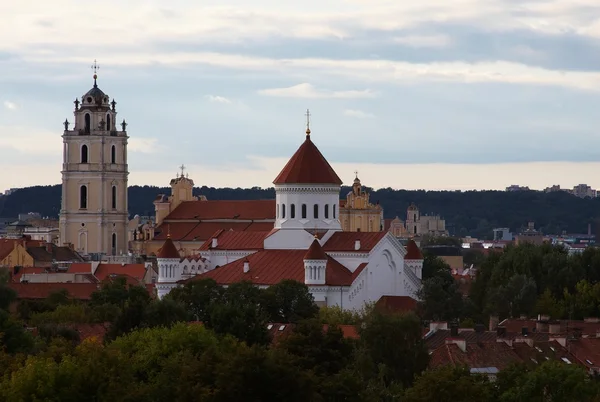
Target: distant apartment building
{"points": [[580, 190], [516, 187], [503, 234], [530, 235]]}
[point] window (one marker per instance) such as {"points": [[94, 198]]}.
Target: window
{"points": [[316, 211], [113, 154], [108, 126], [83, 197], [303, 211], [84, 154], [114, 197], [114, 244], [282, 211], [326, 211], [293, 211], [88, 123], [333, 211]]}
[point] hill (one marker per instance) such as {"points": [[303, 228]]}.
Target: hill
{"points": [[472, 213]]}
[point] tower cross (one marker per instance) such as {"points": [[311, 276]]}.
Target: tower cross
{"points": [[95, 67], [182, 167], [307, 114], [356, 174]]}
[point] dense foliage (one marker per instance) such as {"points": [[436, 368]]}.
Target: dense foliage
{"points": [[474, 213], [156, 350]]}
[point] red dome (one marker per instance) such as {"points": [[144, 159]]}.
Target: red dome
{"points": [[168, 250], [308, 166], [412, 251], [315, 252]]}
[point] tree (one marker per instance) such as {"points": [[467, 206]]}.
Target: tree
{"points": [[449, 384], [164, 312], [393, 348], [440, 298], [7, 297], [433, 266], [197, 297], [289, 301], [13, 336]]}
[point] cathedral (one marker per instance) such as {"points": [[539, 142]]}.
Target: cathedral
{"points": [[93, 213], [305, 242]]}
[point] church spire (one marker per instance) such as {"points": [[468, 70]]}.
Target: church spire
{"points": [[95, 67], [307, 114]]}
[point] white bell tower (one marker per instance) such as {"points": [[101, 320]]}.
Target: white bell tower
{"points": [[93, 214]]}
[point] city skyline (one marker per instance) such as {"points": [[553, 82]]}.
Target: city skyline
{"points": [[427, 96]]}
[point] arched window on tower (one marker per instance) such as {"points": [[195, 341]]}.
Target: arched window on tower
{"points": [[108, 122], [303, 211], [282, 211], [316, 211], [83, 196], [333, 211], [114, 197], [114, 244], [113, 154], [84, 153], [88, 123], [326, 211], [293, 211]]}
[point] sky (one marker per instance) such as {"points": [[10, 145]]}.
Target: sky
{"points": [[429, 94]]}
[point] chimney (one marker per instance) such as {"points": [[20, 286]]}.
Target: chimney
{"points": [[246, 265], [454, 330], [357, 245], [437, 325], [554, 327], [215, 242], [494, 320], [479, 328], [461, 343]]}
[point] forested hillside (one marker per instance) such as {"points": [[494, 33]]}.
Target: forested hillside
{"points": [[472, 212]]}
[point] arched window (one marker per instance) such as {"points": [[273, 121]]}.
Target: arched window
{"points": [[108, 126], [282, 211], [113, 154], [88, 123], [326, 211], [333, 211], [316, 211], [84, 153], [293, 211], [303, 211], [114, 244], [114, 197], [83, 195]]}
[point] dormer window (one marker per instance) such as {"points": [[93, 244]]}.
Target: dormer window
{"points": [[89, 99]]}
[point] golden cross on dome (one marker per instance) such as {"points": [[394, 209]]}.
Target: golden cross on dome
{"points": [[182, 167], [307, 114]]}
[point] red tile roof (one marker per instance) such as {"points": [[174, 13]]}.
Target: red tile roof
{"points": [[234, 240], [315, 251], [80, 268], [8, 245], [586, 350], [307, 166], [201, 231], [345, 241], [566, 326], [51, 253], [269, 267], [225, 209], [412, 251], [477, 355], [349, 331], [396, 304], [136, 271], [78, 291], [168, 250]]}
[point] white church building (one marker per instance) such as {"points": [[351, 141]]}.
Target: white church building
{"points": [[306, 244]]}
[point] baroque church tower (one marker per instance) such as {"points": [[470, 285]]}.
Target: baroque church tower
{"points": [[93, 214]]}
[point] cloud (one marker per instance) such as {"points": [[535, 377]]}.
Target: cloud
{"points": [[217, 99], [10, 105], [306, 90], [143, 145], [358, 114], [418, 41], [30, 141]]}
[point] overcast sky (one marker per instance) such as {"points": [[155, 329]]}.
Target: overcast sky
{"points": [[433, 94]]}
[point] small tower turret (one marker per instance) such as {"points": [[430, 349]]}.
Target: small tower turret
{"points": [[315, 264], [413, 259], [169, 267]]}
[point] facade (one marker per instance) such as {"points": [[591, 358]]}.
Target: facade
{"points": [[93, 215], [305, 243], [419, 225], [357, 214]]}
